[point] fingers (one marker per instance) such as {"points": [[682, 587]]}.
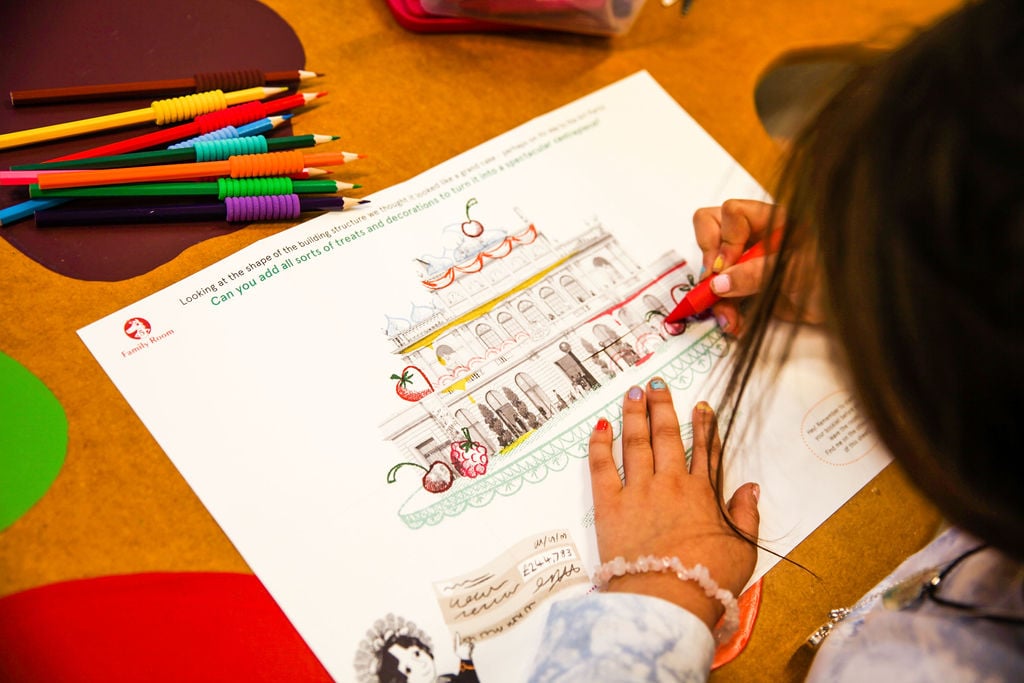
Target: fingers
{"points": [[666, 442], [604, 475], [743, 509], [742, 279], [728, 316], [724, 232], [637, 454], [743, 221], [707, 446]]}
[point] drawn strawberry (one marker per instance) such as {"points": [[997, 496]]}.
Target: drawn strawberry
{"points": [[405, 380], [469, 457], [470, 227], [438, 477]]}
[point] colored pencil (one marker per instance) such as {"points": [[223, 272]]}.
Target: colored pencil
{"points": [[234, 116], [258, 127], [223, 80], [28, 208], [160, 112], [248, 209], [211, 150], [245, 165], [23, 210], [190, 189]]}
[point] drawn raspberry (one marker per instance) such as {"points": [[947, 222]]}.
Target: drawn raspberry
{"points": [[469, 457]]}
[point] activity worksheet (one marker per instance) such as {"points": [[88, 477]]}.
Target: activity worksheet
{"points": [[387, 409]]}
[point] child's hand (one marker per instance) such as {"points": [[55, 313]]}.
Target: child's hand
{"points": [[663, 509], [723, 234]]}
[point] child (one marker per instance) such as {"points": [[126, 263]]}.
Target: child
{"points": [[903, 234]]}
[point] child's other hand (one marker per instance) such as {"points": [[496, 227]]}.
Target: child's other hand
{"points": [[663, 509], [723, 234]]}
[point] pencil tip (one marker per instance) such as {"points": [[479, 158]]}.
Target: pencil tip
{"points": [[364, 201], [354, 187]]}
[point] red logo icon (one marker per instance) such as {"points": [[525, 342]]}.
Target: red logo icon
{"points": [[137, 328]]}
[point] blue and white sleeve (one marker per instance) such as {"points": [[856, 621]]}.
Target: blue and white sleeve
{"points": [[622, 637]]}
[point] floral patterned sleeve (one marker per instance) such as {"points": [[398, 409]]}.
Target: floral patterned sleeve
{"points": [[622, 637]]}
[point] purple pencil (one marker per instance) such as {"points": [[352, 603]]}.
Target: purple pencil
{"points": [[280, 207]]}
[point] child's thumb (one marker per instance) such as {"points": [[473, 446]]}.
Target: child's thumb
{"points": [[743, 509]]}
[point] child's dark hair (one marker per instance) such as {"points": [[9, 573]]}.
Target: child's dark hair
{"points": [[909, 188]]}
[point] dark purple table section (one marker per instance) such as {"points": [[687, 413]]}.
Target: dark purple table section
{"points": [[52, 43]]}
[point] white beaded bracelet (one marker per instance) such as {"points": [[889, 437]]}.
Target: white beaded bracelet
{"points": [[698, 573]]}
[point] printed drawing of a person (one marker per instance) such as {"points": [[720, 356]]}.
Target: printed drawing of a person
{"points": [[395, 650]]}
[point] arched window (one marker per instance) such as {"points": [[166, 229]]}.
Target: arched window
{"points": [[446, 355], [511, 326], [488, 336], [653, 303], [608, 271], [533, 392], [553, 300], [604, 334], [574, 288], [532, 314]]}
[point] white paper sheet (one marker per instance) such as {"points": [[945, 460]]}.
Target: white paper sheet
{"points": [[269, 379]]}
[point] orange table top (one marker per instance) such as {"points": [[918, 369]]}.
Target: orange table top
{"points": [[410, 101]]}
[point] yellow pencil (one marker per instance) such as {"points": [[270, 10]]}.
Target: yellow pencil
{"points": [[160, 112]]}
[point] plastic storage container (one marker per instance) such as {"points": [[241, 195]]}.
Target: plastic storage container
{"points": [[596, 17]]}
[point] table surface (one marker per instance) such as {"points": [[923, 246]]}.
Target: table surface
{"points": [[410, 101]]}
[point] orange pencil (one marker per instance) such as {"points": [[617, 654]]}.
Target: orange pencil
{"points": [[242, 166]]}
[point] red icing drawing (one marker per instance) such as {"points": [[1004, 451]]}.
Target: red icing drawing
{"points": [[405, 388], [469, 457]]}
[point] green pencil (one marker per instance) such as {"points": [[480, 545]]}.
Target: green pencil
{"points": [[214, 150], [222, 187]]}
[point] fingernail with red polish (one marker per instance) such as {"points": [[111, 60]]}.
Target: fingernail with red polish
{"points": [[602, 425]]}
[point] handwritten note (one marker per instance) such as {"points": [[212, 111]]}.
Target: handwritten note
{"points": [[496, 597]]}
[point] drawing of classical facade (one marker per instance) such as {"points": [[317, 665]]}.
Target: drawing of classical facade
{"points": [[520, 330]]}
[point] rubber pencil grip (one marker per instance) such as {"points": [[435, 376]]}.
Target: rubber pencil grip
{"points": [[188, 106], [220, 134], [248, 187], [229, 80], [217, 150], [263, 207], [270, 164]]}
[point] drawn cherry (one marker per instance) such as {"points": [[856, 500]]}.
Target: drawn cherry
{"points": [[469, 457], [438, 477], [405, 380], [671, 329], [470, 227]]}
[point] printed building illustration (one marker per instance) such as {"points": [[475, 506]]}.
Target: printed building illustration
{"points": [[521, 329]]}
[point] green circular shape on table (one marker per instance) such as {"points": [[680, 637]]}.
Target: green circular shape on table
{"points": [[33, 439]]}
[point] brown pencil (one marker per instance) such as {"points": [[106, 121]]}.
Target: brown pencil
{"points": [[222, 80]]}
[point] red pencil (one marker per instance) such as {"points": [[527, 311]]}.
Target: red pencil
{"points": [[232, 116], [701, 298]]}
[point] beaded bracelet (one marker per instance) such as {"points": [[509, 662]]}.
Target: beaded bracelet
{"points": [[698, 573]]}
